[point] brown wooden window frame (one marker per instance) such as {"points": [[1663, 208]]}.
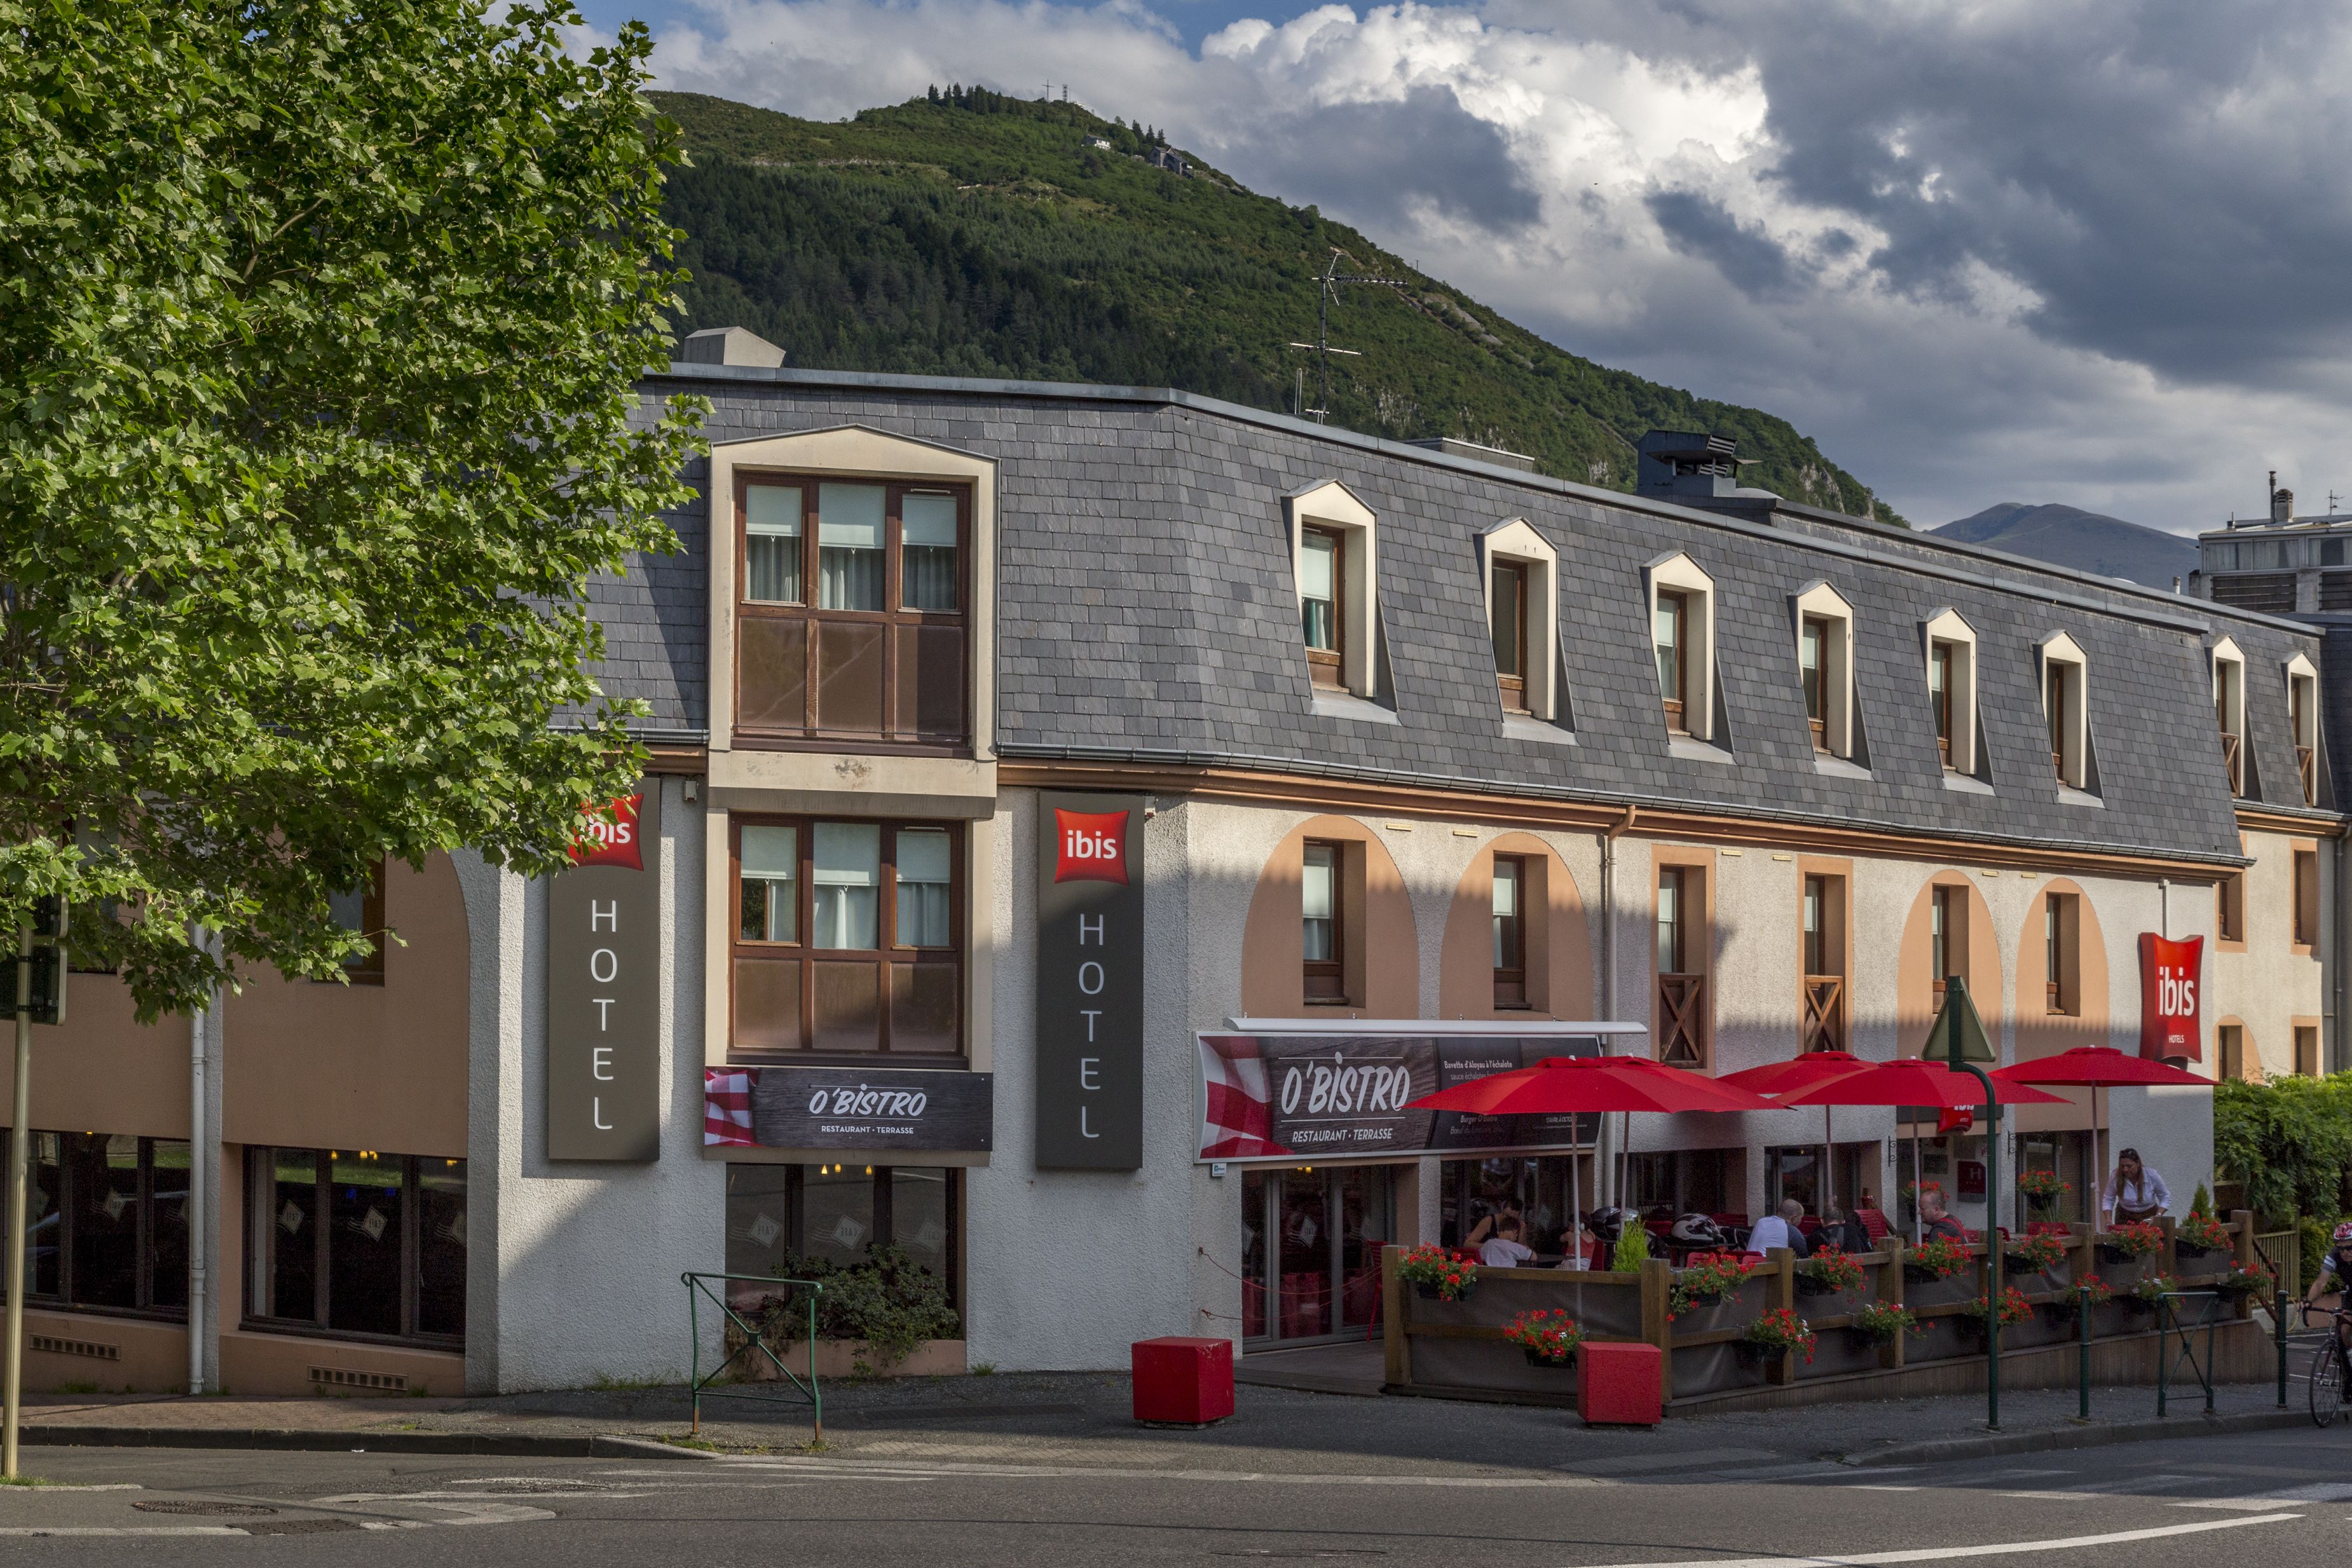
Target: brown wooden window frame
{"points": [[1943, 692], [889, 957], [2300, 692], [2061, 951], [2053, 704], [1323, 982], [2230, 1045], [1510, 636], [2306, 898], [2233, 747], [1820, 902], [1510, 933], [1676, 695], [1681, 1000], [1813, 633], [2229, 907], [1947, 928], [1327, 667], [2307, 1050], [367, 969], [898, 627]]}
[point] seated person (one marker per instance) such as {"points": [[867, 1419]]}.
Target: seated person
{"points": [[1507, 1247], [1936, 1223], [1842, 1230], [1779, 1230]]}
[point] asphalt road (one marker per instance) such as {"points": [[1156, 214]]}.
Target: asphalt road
{"points": [[2273, 1496]]}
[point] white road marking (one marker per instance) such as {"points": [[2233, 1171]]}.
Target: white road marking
{"points": [[123, 1529], [851, 1470], [2318, 1491], [2135, 1485], [1691, 1459], [2053, 1496], [77, 1486], [1946, 1553], [1867, 1486]]}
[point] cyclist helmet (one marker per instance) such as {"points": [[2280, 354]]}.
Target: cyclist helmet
{"points": [[2344, 1234]]}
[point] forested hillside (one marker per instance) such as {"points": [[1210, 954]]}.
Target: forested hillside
{"points": [[973, 234]]}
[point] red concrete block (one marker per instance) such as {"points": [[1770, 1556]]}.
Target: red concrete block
{"points": [[1181, 1382], [1617, 1384]]}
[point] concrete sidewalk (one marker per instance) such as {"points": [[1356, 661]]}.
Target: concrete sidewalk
{"points": [[1085, 1418]]}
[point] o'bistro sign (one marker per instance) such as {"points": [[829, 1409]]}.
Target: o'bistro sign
{"points": [[1276, 1096], [847, 1108]]}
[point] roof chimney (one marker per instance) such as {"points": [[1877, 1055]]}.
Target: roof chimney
{"points": [[1694, 467], [2282, 504], [728, 345]]}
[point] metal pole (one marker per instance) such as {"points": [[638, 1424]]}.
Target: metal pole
{"points": [[12, 1370], [1992, 1246], [2278, 1331], [2083, 1322]]}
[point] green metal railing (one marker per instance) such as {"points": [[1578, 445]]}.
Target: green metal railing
{"points": [[2168, 1360], [698, 1286]]}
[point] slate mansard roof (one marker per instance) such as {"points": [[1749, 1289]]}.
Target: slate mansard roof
{"points": [[1146, 611]]}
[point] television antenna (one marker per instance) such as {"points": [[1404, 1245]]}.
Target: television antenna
{"points": [[1326, 289]]}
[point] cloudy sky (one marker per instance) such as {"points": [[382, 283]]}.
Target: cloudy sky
{"points": [[2088, 251]]}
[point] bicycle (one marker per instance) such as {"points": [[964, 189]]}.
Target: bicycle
{"points": [[2331, 1368]]}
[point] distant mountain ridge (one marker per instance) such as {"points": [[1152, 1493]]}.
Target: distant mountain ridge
{"points": [[2085, 541], [969, 233]]}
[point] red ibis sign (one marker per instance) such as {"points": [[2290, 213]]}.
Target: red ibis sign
{"points": [[2170, 974]]}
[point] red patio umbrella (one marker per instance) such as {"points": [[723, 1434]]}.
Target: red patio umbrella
{"points": [[1806, 1071], [2097, 1067], [1914, 1082], [1559, 1085]]}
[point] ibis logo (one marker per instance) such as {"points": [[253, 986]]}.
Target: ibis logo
{"points": [[2170, 1024], [614, 842], [1091, 846]]}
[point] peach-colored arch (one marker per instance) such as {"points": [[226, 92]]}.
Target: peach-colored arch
{"points": [[1382, 950], [2040, 1032], [1915, 1004], [1559, 980]]}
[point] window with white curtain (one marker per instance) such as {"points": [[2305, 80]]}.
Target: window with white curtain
{"points": [[770, 892], [849, 560], [848, 886], [927, 561], [924, 880], [772, 545]]}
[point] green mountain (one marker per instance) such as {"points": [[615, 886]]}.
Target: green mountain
{"points": [[969, 233]]}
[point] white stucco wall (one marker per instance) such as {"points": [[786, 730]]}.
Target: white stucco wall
{"points": [[574, 1267], [1067, 1268]]}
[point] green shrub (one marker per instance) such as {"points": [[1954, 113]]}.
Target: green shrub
{"points": [[2289, 1142], [2202, 1203], [887, 1300], [1632, 1250]]}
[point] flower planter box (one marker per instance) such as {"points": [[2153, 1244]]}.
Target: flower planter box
{"points": [[1552, 1364], [1809, 1286], [1434, 1294]]}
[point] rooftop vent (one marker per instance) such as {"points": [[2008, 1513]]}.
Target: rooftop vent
{"points": [[728, 345], [1452, 447], [1694, 467], [2282, 504]]}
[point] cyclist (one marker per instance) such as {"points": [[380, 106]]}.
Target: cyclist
{"points": [[2336, 1267]]}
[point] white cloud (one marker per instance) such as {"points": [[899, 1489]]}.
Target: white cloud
{"points": [[1995, 252]]}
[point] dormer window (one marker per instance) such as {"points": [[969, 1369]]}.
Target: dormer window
{"points": [[1671, 623], [2065, 709], [1334, 566], [2229, 710], [1825, 667], [1682, 638], [2303, 723], [1951, 653], [1508, 617], [1522, 616], [1322, 566]]}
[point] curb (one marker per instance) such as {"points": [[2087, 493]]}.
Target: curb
{"points": [[514, 1445], [1995, 1445]]}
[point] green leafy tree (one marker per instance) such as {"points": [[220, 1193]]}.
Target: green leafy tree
{"points": [[318, 324]]}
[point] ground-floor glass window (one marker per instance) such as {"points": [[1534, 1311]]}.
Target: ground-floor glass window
{"points": [[1666, 1184], [107, 1222], [1311, 1240], [780, 1218], [1541, 1189], [352, 1241]]}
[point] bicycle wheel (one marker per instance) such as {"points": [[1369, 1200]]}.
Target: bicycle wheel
{"points": [[2327, 1385]]}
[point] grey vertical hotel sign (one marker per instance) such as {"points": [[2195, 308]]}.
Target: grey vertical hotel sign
{"points": [[1089, 982], [603, 974]]}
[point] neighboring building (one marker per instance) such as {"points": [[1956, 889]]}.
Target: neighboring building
{"points": [[2295, 569], [1397, 735]]}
